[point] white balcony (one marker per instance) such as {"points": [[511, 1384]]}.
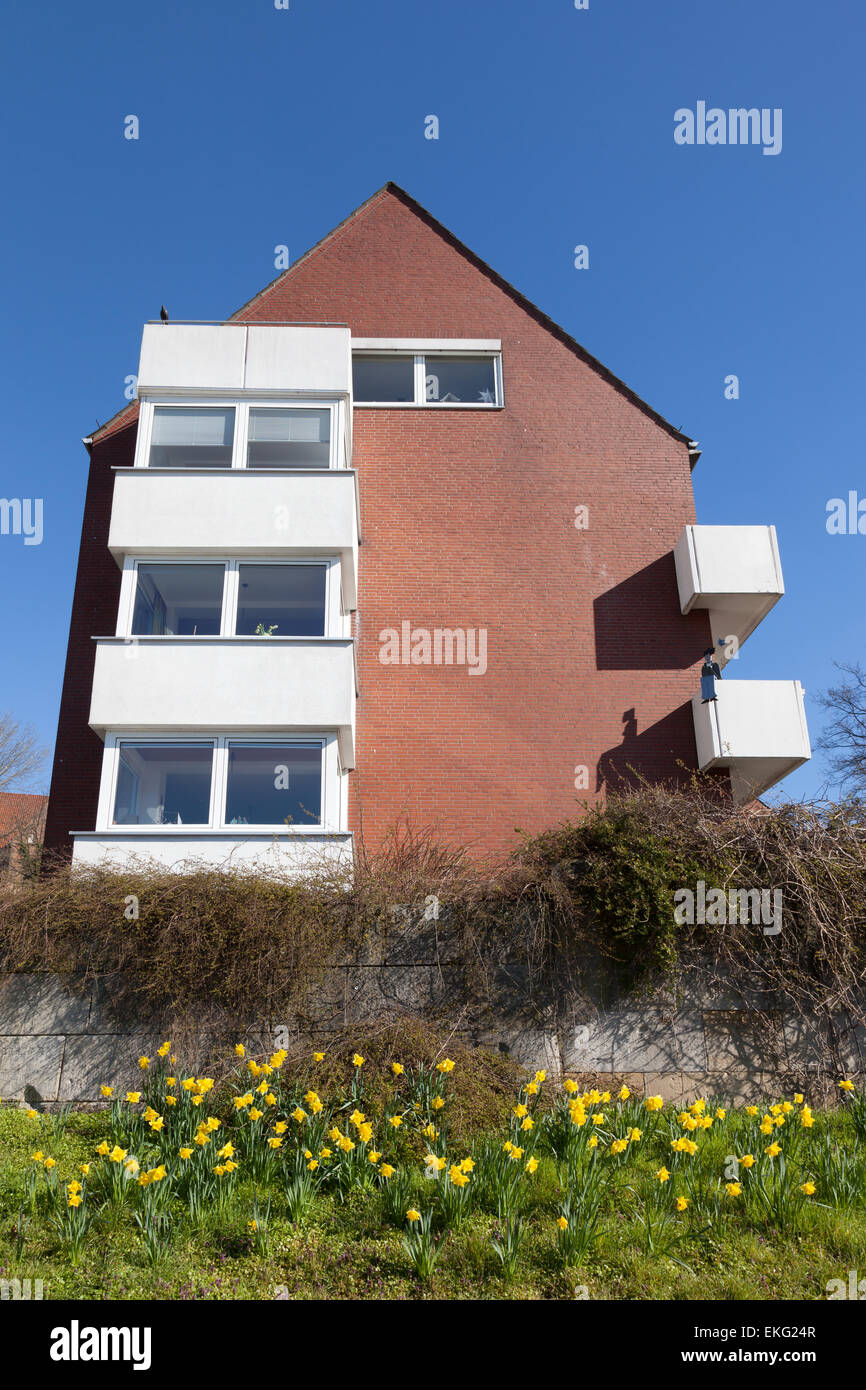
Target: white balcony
{"points": [[734, 572], [277, 854], [226, 685], [232, 359], [238, 512], [757, 729]]}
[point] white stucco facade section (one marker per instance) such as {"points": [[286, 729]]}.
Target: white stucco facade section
{"points": [[273, 855], [756, 728], [734, 571], [232, 512], [235, 358], [227, 685], [308, 359]]}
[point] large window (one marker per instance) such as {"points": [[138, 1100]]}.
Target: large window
{"points": [[282, 600], [274, 784], [220, 783], [192, 437], [289, 438], [163, 784], [245, 435], [178, 600], [230, 598], [430, 379]]}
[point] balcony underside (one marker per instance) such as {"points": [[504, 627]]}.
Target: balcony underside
{"points": [[277, 854], [756, 729], [733, 572], [226, 685]]}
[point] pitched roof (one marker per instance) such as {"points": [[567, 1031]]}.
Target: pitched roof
{"points": [[128, 413], [20, 811]]}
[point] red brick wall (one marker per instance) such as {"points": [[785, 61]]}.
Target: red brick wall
{"points": [[74, 794], [468, 521]]}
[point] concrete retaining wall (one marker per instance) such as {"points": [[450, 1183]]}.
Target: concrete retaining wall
{"points": [[60, 1039]]}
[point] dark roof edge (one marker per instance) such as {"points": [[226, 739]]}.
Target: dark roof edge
{"points": [[546, 322], [527, 305]]}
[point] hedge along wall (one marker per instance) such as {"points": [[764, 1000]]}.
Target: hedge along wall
{"points": [[701, 1033], [568, 957]]}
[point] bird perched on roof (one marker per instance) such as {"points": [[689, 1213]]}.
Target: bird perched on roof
{"points": [[163, 314]]}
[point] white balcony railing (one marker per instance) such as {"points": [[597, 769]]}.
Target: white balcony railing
{"points": [[230, 512], [233, 359], [226, 685], [757, 729], [734, 572]]}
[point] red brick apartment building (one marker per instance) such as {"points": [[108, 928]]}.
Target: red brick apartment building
{"points": [[386, 544]]}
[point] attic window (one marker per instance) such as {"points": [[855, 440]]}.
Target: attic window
{"points": [[384, 379], [430, 379]]}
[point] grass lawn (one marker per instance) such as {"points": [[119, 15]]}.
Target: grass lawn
{"points": [[338, 1229]]}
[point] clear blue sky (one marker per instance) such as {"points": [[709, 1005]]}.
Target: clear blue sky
{"points": [[261, 127]]}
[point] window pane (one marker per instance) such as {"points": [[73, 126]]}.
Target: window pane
{"points": [[289, 439], [288, 598], [178, 600], [383, 378], [163, 784], [460, 379], [274, 784], [192, 437]]}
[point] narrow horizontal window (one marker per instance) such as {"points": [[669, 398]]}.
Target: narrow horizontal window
{"points": [[460, 380], [178, 600], [163, 784], [274, 784], [381, 378], [281, 601], [289, 438], [192, 437]]}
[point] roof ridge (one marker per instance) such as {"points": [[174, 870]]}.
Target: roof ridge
{"points": [[546, 322]]}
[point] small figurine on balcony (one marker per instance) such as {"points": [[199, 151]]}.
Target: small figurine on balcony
{"points": [[710, 673]]}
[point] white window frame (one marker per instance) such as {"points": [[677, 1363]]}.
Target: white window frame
{"points": [[421, 354], [241, 407], [332, 792], [335, 619]]}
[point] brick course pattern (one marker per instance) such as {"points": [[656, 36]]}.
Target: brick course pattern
{"points": [[468, 522]]}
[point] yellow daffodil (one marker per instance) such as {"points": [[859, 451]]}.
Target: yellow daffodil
{"points": [[413, 1215]]}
